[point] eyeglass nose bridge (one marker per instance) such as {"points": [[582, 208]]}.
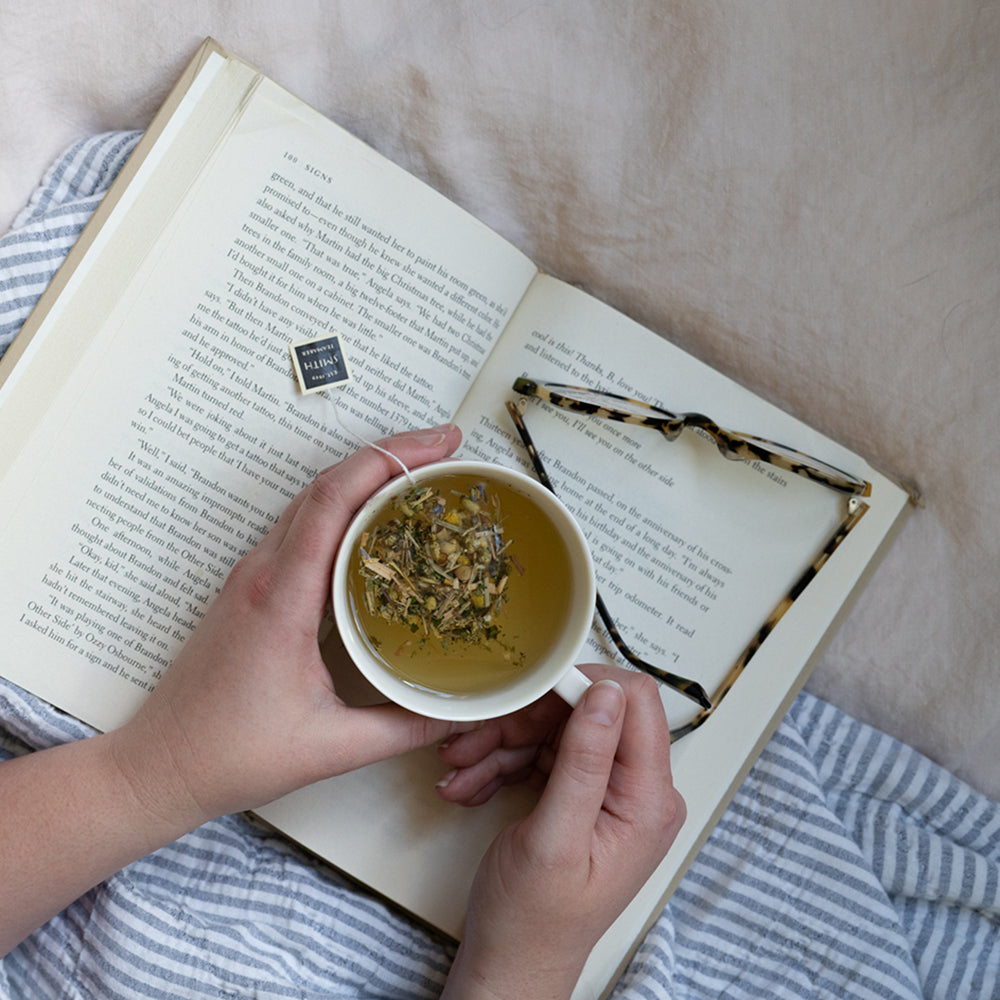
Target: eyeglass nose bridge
{"points": [[727, 443]]}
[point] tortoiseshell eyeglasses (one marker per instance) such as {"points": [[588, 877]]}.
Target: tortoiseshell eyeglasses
{"points": [[733, 445]]}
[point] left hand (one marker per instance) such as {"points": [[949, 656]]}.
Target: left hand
{"points": [[248, 711]]}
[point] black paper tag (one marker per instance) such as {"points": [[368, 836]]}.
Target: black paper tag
{"points": [[319, 364]]}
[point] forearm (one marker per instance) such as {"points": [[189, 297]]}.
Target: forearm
{"points": [[71, 818], [246, 714]]}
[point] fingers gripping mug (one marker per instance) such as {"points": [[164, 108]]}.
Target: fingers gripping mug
{"points": [[465, 591]]}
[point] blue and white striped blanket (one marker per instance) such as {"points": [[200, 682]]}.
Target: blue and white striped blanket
{"points": [[847, 865]]}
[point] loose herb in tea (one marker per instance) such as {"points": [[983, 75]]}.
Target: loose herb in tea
{"points": [[460, 584], [440, 565]]}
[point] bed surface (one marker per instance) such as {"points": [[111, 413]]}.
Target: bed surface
{"points": [[805, 197]]}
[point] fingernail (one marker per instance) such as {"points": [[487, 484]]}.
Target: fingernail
{"points": [[446, 780], [433, 437], [603, 703]]}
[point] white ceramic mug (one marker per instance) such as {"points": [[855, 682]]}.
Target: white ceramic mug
{"points": [[554, 671]]}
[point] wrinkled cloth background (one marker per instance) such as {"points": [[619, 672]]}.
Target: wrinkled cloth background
{"points": [[805, 196]]}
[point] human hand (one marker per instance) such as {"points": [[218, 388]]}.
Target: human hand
{"points": [[552, 883], [248, 711]]}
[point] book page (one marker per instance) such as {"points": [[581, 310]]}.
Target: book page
{"points": [[692, 551], [180, 434]]}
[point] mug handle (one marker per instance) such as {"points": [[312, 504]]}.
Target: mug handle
{"points": [[572, 686]]}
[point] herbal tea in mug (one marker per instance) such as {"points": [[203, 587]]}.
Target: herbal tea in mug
{"points": [[460, 584]]}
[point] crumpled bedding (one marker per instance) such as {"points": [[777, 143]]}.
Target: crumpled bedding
{"points": [[847, 864], [803, 195]]}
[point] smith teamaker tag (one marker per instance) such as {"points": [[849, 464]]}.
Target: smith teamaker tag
{"points": [[319, 364]]}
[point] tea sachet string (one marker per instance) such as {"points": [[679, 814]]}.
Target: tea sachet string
{"points": [[361, 439]]}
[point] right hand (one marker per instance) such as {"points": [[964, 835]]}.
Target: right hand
{"points": [[552, 883]]}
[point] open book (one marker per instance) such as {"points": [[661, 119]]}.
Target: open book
{"points": [[154, 431]]}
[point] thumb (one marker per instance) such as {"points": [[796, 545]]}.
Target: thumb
{"points": [[575, 791]]}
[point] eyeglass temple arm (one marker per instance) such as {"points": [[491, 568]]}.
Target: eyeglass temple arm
{"points": [[856, 509], [683, 685], [689, 688], [515, 407]]}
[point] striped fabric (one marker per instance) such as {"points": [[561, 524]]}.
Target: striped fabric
{"points": [[846, 866], [49, 224]]}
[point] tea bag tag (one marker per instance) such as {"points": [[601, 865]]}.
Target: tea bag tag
{"points": [[319, 364]]}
